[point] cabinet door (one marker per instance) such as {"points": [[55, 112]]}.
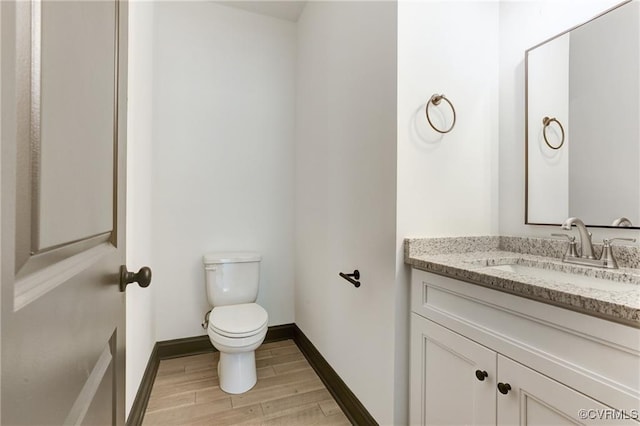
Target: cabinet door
{"points": [[535, 399], [444, 387]]}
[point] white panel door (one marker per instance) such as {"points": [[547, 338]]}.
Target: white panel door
{"points": [[536, 400], [453, 379], [63, 123]]}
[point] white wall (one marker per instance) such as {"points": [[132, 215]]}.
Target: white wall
{"points": [[447, 185], [223, 124], [523, 25], [346, 192], [141, 333]]}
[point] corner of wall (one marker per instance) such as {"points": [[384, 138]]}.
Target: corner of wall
{"points": [[140, 317]]}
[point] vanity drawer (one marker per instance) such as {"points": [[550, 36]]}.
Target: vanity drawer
{"points": [[594, 356]]}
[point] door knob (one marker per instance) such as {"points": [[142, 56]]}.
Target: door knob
{"points": [[142, 277]]}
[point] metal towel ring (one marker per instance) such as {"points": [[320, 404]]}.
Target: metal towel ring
{"points": [[435, 99], [546, 122]]}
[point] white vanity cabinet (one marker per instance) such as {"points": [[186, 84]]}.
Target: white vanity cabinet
{"points": [[466, 339], [444, 387], [537, 400]]}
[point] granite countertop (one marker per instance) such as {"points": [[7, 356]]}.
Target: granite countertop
{"points": [[471, 259]]}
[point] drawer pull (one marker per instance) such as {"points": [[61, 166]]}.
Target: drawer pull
{"points": [[504, 388], [481, 375]]}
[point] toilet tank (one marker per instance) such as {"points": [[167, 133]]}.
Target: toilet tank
{"points": [[231, 277]]}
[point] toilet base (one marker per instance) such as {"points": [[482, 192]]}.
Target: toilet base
{"points": [[237, 371]]}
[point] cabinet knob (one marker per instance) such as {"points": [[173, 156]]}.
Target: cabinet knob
{"points": [[481, 375], [504, 388]]}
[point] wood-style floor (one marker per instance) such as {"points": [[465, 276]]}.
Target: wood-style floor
{"points": [[288, 392]]}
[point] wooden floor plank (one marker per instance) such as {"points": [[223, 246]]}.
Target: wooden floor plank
{"points": [[265, 372], [330, 407], [195, 386], [211, 394], [308, 416], [263, 354], [335, 420], [165, 369], [285, 350], [185, 414], [282, 359], [283, 379], [290, 367], [251, 414], [185, 377], [290, 401], [171, 401], [187, 360], [285, 414], [211, 360], [275, 392], [278, 344], [288, 392]]}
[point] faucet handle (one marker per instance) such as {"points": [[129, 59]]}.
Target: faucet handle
{"points": [[607, 241], [572, 250], [607, 258], [571, 238]]}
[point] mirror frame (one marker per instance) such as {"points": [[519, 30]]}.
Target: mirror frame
{"points": [[526, 121]]}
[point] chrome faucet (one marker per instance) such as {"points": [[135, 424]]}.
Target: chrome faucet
{"points": [[607, 260], [586, 246]]}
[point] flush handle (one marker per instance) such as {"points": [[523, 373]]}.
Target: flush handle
{"points": [[142, 277]]}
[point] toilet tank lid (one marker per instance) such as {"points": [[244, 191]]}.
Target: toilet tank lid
{"points": [[231, 257]]}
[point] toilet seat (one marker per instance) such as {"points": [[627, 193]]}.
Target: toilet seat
{"points": [[237, 321]]}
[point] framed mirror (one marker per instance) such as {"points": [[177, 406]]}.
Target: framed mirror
{"points": [[582, 91]]}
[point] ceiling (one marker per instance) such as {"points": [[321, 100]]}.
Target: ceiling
{"points": [[288, 10]]}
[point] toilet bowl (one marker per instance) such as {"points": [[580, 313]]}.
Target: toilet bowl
{"points": [[237, 325], [237, 331]]}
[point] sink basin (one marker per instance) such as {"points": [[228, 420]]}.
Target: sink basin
{"points": [[563, 277]]}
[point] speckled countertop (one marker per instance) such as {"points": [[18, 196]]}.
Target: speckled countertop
{"points": [[472, 259]]}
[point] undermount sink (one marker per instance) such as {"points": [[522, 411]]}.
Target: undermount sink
{"points": [[563, 277]]}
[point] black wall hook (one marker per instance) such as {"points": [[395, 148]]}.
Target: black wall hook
{"points": [[348, 277]]}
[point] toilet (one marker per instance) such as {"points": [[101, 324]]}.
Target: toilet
{"points": [[237, 326]]}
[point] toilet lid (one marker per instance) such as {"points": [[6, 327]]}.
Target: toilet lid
{"points": [[238, 320]]}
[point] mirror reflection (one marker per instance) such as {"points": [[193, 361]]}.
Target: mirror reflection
{"points": [[583, 122]]}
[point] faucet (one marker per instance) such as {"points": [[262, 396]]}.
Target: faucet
{"points": [[607, 260], [586, 247], [622, 222]]}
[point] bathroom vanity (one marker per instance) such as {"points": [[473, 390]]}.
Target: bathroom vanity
{"points": [[504, 332]]}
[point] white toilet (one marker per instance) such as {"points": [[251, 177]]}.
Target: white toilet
{"points": [[237, 326]]}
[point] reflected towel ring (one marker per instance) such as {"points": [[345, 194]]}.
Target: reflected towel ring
{"points": [[435, 99], [546, 122]]}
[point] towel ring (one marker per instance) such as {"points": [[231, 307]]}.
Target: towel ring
{"points": [[435, 99], [545, 123]]}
